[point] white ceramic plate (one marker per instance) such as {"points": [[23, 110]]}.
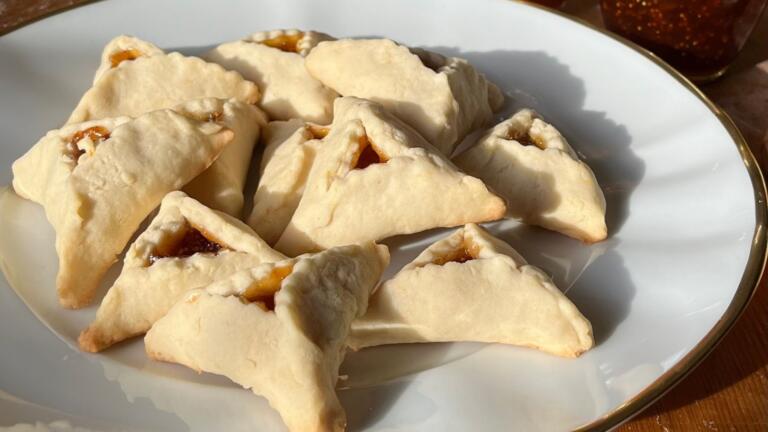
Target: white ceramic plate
{"points": [[686, 244]]}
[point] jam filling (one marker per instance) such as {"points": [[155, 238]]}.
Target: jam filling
{"points": [[318, 132], [97, 134], [463, 254], [263, 291], [526, 139], [287, 43], [214, 116], [699, 38], [191, 242], [368, 154], [121, 56]]}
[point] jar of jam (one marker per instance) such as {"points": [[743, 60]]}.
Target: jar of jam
{"points": [[700, 38]]}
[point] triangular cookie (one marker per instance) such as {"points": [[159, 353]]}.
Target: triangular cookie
{"points": [[98, 180], [532, 166], [442, 98], [275, 62], [221, 186], [289, 152], [278, 329], [471, 286], [124, 48], [186, 246], [377, 178], [159, 81]]}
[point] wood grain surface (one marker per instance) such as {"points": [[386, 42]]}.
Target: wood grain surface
{"points": [[729, 390]]}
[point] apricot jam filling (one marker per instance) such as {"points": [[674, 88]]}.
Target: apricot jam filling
{"points": [[125, 55], [190, 242], [214, 116], [97, 134], [263, 291], [287, 43], [467, 252], [525, 139], [368, 154]]}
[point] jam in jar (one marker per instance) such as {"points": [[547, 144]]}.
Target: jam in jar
{"points": [[698, 37]]}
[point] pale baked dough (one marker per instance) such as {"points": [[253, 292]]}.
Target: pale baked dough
{"points": [[289, 355], [149, 285], [275, 62], [221, 186], [530, 164], [442, 98], [97, 201], [492, 297], [124, 48], [289, 151], [414, 188], [156, 82]]}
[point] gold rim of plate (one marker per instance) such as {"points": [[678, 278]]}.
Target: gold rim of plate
{"points": [[757, 255]]}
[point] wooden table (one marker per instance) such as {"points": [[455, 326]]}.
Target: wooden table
{"points": [[729, 391]]}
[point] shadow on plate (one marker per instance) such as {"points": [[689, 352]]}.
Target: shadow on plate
{"points": [[367, 407]]}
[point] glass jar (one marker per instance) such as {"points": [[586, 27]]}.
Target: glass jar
{"points": [[700, 38]]}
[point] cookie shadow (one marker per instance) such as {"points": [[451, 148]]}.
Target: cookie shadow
{"points": [[366, 406]]}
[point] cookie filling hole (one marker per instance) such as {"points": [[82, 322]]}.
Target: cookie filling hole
{"points": [[318, 132], [97, 134], [214, 116], [287, 43], [189, 242], [368, 154], [525, 139], [467, 252], [125, 55], [263, 291]]}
